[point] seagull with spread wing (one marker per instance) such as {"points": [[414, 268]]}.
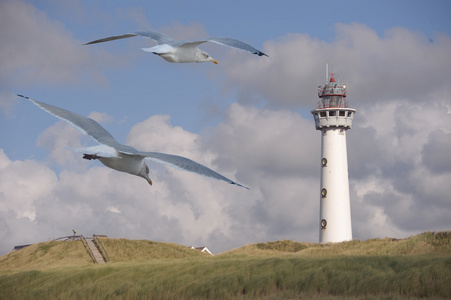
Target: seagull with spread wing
{"points": [[120, 157], [178, 51]]}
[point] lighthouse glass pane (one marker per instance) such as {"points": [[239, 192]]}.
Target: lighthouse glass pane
{"points": [[333, 101]]}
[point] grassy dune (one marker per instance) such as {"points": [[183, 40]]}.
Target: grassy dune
{"points": [[412, 268], [45, 255], [426, 243]]}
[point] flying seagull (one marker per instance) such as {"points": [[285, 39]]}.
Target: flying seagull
{"points": [[120, 157], [177, 51]]}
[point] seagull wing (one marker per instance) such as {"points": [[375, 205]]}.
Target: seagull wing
{"points": [[158, 37], [98, 150], [162, 38], [85, 125], [186, 164], [229, 42], [112, 38]]}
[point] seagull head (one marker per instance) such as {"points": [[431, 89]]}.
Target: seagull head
{"points": [[202, 56], [144, 173]]}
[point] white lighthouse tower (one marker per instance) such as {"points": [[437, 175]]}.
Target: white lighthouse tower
{"points": [[333, 117]]}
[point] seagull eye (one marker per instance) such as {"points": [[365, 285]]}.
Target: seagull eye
{"points": [[205, 55], [147, 170]]}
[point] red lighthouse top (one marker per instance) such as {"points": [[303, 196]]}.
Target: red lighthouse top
{"points": [[332, 94]]}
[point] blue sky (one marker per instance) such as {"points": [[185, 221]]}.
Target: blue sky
{"points": [[247, 117]]}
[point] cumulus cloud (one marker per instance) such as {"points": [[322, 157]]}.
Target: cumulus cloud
{"points": [[36, 49], [57, 139], [192, 31], [397, 152], [189, 209], [435, 154], [157, 134], [183, 207], [270, 141], [398, 146], [24, 185], [377, 68], [100, 117]]}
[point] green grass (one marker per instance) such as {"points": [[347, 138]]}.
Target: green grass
{"points": [[46, 255], [123, 250], [418, 267]]}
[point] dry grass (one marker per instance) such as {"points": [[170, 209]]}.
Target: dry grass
{"points": [[289, 277], [418, 267], [55, 254], [123, 250], [425, 243], [46, 255]]}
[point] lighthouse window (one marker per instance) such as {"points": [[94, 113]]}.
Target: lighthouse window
{"points": [[332, 113], [323, 224], [349, 113], [342, 113], [323, 114], [333, 102]]}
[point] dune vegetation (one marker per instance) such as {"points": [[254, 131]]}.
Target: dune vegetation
{"points": [[413, 268]]}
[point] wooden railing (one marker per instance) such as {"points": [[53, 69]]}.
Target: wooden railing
{"points": [[99, 246], [85, 244], [96, 242], [70, 238]]}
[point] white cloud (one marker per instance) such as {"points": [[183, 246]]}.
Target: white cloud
{"points": [[188, 209], [399, 84], [157, 134], [24, 186], [398, 149], [270, 141], [400, 65], [36, 49], [100, 117], [180, 206], [57, 139], [192, 31], [113, 209]]}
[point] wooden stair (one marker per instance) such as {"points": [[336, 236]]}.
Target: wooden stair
{"points": [[97, 256]]}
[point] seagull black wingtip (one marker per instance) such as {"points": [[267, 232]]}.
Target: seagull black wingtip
{"points": [[259, 53], [240, 185]]}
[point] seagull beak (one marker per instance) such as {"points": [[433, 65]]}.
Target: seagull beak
{"points": [[214, 61], [150, 181]]}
